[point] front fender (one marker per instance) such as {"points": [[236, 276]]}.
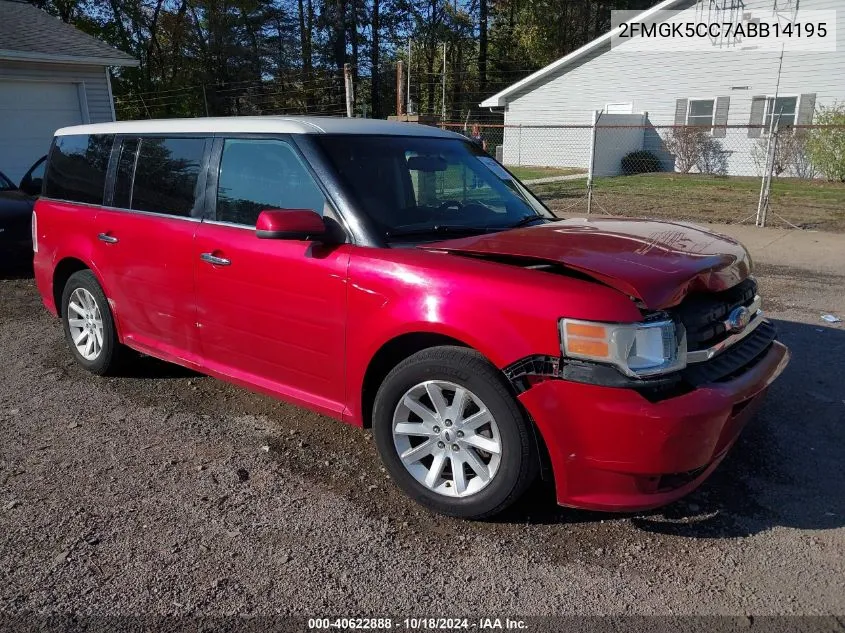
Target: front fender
{"points": [[504, 312]]}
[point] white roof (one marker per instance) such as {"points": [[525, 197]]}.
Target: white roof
{"points": [[260, 125], [501, 98]]}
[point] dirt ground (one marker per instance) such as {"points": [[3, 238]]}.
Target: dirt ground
{"points": [[163, 492]]}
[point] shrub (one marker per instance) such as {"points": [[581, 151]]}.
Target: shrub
{"points": [[826, 146], [641, 162], [801, 165], [694, 147], [685, 144], [712, 159], [790, 156]]}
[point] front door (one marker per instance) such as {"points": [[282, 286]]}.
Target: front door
{"points": [[271, 313]]}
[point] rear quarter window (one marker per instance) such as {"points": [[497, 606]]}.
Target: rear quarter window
{"points": [[77, 168]]}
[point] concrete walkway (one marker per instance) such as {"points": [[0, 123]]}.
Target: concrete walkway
{"points": [[812, 250], [542, 181]]}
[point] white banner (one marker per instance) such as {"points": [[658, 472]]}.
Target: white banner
{"points": [[709, 28]]}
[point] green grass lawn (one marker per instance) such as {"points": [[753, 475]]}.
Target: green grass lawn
{"points": [[727, 199], [530, 173]]}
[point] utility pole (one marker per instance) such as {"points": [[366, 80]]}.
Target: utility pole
{"points": [[408, 95], [349, 88], [205, 99], [765, 185], [444, 81], [400, 88]]}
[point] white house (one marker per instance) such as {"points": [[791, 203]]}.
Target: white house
{"points": [[731, 83], [51, 75]]}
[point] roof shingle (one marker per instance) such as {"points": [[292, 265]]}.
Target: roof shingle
{"points": [[28, 33]]}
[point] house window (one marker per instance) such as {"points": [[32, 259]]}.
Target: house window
{"points": [[700, 112], [783, 109]]}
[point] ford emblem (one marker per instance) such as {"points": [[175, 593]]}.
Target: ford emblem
{"points": [[738, 319]]}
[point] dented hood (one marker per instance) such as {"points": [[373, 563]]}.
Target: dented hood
{"points": [[655, 262]]}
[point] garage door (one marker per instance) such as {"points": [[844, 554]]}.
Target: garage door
{"points": [[30, 111]]}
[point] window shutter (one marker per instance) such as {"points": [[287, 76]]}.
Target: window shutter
{"points": [[681, 112], [720, 120], [758, 110], [806, 108]]}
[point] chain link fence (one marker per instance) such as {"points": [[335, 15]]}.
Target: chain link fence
{"points": [[789, 177]]}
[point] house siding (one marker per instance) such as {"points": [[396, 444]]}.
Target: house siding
{"points": [[653, 81], [93, 77]]}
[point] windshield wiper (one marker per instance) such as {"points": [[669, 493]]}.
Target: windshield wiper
{"points": [[528, 219], [441, 229]]}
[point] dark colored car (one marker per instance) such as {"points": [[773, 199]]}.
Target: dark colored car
{"points": [[16, 204]]}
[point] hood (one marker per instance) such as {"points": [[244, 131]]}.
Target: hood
{"points": [[658, 263]]}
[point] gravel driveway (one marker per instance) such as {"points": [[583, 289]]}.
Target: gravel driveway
{"points": [[169, 493]]}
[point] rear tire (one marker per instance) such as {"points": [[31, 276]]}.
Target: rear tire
{"points": [[89, 324], [452, 435]]}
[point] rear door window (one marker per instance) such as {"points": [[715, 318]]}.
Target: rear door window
{"points": [[166, 176], [77, 168], [258, 174]]}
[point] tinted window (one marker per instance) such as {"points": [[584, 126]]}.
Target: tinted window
{"points": [[414, 184], [125, 171], [457, 183], [257, 175], [77, 169], [166, 175]]}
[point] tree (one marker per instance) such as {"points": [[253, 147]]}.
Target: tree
{"points": [[482, 45], [226, 57], [375, 82]]}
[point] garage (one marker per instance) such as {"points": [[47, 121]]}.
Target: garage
{"points": [[51, 75], [29, 113]]}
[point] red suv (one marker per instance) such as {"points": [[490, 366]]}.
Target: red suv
{"points": [[394, 276]]}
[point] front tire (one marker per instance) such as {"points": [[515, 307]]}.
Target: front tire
{"points": [[89, 324], [451, 434]]}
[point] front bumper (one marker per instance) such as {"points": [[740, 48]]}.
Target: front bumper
{"points": [[612, 449]]}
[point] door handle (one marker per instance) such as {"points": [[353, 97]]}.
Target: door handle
{"points": [[108, 239], [213, 259]]}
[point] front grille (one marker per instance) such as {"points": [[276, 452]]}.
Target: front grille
{"points": [[703, 315], [734, 361]]}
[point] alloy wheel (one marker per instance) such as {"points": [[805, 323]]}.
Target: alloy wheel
{"points": [[446, 438], [85, 323]]}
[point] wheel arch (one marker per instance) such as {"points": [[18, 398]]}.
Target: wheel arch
{"points": [[391, 354], [66, 267], [63, 270], [400, 347]]}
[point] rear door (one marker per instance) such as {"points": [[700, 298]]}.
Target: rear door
{"points": [[145, 241], [271, 313]]}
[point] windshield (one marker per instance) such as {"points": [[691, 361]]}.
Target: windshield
{"points": [[6, 184], [414, 186]]}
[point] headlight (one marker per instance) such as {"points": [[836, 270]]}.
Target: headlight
{"points": [[637, 349]]}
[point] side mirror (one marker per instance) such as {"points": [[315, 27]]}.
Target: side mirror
{"points": [[289, 224]]}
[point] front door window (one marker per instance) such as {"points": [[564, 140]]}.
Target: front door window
{"points": [[263, 174]]}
